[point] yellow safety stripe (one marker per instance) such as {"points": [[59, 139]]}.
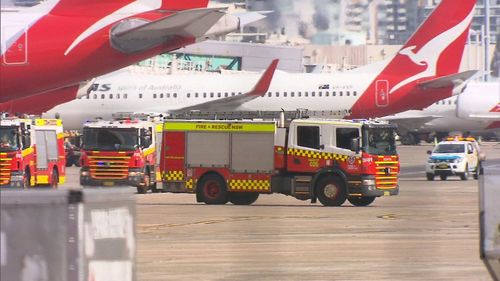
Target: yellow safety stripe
{"points": [[42, 179], [27, 151], [316, 155], [148, 151], [174, 176], [189, 184], [220, 127], [249, 185], [159, 127]]}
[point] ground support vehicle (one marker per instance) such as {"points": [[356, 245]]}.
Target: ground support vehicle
{"points": [[454, 156], [31, 152], [121, 152], [329, 160]]}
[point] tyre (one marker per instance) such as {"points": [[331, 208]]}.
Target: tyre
{"points": [[27, 178], [154, 189], [430, 177], [144, 186], [361, 201], [477, 171], [243, 198], [443, 177], [213, 189], [55, 179], [331, 191], [465, 175]]}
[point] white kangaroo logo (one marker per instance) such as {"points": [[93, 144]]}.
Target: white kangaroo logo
{"points": [[429, 54]]}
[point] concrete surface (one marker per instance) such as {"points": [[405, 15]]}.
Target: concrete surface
{"points": [[428, 232]]}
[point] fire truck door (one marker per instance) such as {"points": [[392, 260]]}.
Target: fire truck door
{"points": [[305, 149]]}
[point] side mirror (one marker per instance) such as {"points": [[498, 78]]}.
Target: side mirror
{"points": [[321, 146], [355, 144], [429, 152]]}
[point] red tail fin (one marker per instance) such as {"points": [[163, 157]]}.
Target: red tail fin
{"points": [[176, 5], [433, 51]]}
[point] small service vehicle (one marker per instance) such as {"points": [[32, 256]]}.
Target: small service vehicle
{"points": [[454, 156]]}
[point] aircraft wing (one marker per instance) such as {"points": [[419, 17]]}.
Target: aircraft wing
{"points": [[452, 80], [230, 103], [135, 35], [409, 121]]}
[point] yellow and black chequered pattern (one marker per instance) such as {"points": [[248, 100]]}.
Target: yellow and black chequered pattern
{"points": [[317, 155], [249, 185], [189, 184], [174, 176]]}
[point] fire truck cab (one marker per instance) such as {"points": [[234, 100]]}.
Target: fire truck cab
{"points": [[326, 159], [31, 152], [120, 152]]}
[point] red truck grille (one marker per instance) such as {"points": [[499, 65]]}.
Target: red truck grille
{"points": [[387, 172], [5, 168], [108, 167]]}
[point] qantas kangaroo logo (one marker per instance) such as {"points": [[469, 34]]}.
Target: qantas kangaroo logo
{"points": [[429, 54], [136, 7]]}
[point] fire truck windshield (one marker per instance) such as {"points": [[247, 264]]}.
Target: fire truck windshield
{"points": [[9, 140], [379, 141], [110, 139]]}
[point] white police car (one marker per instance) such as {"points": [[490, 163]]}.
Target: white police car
{"points": [[454, 157]]}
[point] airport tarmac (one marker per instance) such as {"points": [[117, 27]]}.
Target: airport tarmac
{"points": [[428, 232]]}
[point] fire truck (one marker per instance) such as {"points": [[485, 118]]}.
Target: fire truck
{"points": [[121, 152], [31, 152], [309, 159]]}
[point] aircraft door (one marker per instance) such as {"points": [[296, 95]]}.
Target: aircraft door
{"points": [[18, 51], [382, 93]]}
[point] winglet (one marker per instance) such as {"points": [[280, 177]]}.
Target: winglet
{"points": [[262, 86]]}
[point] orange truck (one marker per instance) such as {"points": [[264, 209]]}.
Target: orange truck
{"points": [[326, 159], [121, 152], [31, 152]]}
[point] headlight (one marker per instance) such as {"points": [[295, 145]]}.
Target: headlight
{"points": [[368, 182], [458, 160], [84, 173]]}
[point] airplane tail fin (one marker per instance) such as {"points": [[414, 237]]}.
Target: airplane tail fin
{"points": [[175, 5], [436, 48]]}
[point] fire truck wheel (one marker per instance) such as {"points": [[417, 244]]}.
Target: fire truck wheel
{"points": [[213, 189], [243, 198], [55, 179], [146, 184], [361, 201], [331, 191], [26, 178]]}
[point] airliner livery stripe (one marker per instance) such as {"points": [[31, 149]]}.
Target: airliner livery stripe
{"points": [[496, 108], [134, 8]]}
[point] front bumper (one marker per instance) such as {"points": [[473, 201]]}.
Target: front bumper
{"points": [[15, 181], [135, 178], [445, 168], [369, 188]]}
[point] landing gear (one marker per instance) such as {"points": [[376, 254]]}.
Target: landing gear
{"points": [[410, 139]]}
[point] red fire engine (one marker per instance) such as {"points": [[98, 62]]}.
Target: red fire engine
{"points": [[121, 152], [329, 160], [31, 152]]}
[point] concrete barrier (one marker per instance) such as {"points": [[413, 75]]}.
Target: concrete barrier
{"points": [[489, 221], [52, 235]]}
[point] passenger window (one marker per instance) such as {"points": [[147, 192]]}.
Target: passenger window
{"points": [[110, 96], [347, 93], [154, 96], [103, 96], [161, 95], [218, 95], [355, 93], [204, 95], [284, 94], [233, 94], [277, 94], [299, 94], [292, 94], [344, 137], [306, 94], [340, 94], [320, 94], [334, 94], [226, 95], [313, 94], [195, 95], [118, 96], [327, 94], [211, 95], [175, 95], [188, 95], [308, 136], [125, 96]]}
